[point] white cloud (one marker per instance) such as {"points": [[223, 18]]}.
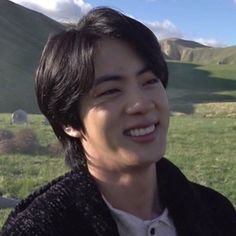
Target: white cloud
{"points": [[60, 10], [210, 42], [72, 10], [165, 29]]}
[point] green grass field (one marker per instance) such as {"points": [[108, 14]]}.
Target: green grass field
{"points": [[201, 144], [190, 84], [205, 150]]}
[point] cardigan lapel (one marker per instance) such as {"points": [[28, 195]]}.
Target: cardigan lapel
{"points": [[176, 192], [95, 210], [183, 203]]}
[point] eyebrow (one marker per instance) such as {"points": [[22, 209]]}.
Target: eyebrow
{"points": [[106, 78]]}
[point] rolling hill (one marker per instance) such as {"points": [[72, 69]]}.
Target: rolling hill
{"points": [[199, 74], [190, 51], [23, 35]]}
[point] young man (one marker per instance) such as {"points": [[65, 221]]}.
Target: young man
{"points": [[102, 87]]}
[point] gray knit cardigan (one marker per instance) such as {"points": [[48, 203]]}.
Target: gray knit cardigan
{"points": [[71, 205]]}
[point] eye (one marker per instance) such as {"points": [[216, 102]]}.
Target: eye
{"points": [[151, 81], [109, 92]]}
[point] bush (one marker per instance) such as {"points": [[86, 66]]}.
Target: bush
{"points": [[55, 149], [26, 142], [7, 146], [5, 134]]}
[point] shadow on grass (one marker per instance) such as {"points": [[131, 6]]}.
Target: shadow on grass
{"points": [[189, 84]]}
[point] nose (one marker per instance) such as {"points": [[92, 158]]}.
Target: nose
{"points": [[139, 102]]}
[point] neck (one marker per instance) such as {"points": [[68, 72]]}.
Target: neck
{"points": [[134, 191]]}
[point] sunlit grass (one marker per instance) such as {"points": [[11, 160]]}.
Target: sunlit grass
{"points": [[202, 145], [205, 150]]}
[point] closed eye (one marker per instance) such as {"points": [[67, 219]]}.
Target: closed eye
{"points": [[108, 92], [152, 81]]}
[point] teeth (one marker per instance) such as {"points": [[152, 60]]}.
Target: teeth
{"points": [[141, 131]]}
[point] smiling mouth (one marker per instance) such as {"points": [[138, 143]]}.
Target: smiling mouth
{"points": [[141, 131]]}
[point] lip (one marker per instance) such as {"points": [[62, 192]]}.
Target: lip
{"points": [[147, 138]]}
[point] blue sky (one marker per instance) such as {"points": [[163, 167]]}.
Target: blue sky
{"points": [[211, 22]]}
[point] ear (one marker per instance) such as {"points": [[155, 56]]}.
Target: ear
{"points": [[75, 133]]}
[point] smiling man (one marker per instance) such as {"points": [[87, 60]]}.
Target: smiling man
{"points": [[102, 87]]}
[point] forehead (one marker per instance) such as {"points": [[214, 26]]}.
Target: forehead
{"points": [[115, 56]]}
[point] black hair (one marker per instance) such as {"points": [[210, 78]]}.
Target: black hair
{"points": [[66, 69]]}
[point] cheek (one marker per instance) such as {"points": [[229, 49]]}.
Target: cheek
{"points": [[101, 130], [162, 100], [98, 122]]}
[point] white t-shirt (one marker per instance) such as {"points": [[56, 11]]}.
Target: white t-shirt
{"points": [[130, 225]]}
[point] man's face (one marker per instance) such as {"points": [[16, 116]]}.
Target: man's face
{"points": [[126, 113]]}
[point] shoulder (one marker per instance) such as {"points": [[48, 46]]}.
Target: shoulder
{"points": [[184, 198], [219, 208], [39, 211], [212, 197]]}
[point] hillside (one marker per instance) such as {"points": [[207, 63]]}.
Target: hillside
{"points": [[23, 35], [211, 55], [190, 51], [175, 48], [191, 84]]}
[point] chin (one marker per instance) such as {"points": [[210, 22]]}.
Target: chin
{"points": [[146, 161]]}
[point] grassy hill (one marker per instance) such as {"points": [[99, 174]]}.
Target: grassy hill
{"points": [[174, 48], [191, 84], [211, 55], [190, 51], [23, 35]]}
